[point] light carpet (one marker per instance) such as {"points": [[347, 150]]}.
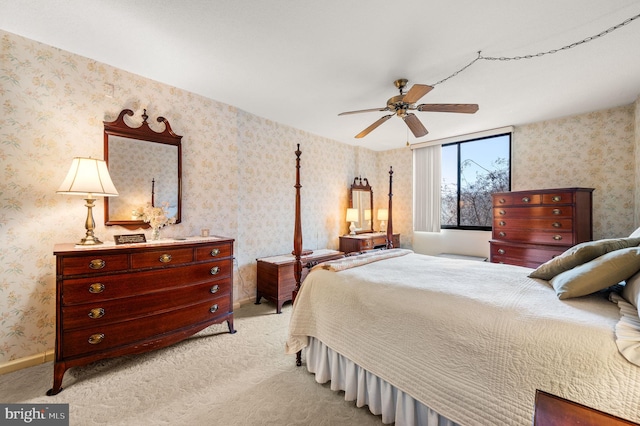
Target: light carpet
{"points": [[213, 378]]}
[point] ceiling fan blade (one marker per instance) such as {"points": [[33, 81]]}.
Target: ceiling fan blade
{"points": [[369, 129], [416, 92], [364, 110], [462, 108], [415, 125]]}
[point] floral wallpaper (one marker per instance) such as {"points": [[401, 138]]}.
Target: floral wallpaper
{"points": [[238, 175], [594, 150]]}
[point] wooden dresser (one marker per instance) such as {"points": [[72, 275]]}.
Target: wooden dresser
{"points": [[118, 300], [367, 241], [532, 227], [276, 281]]}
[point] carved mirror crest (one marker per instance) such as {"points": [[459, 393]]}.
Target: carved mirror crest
{"points": [[145, 166]]}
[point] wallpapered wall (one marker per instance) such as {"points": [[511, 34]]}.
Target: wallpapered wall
{"points": [[238, 174], [594, 150]]}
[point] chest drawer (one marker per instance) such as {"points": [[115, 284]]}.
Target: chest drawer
{"points": [[560, 237], [214, 251], [516, 199], [93, 289], [98, 313], [162, 257], [110, 336], [546, 224], [533, 212], [90, 264], [529, 256]]}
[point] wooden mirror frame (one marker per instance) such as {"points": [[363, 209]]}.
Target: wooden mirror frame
{"points": [[357, 185], [143, 133]]}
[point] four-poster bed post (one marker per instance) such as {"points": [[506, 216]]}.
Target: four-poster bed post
{"points": [[390, 211], [297, 242]]}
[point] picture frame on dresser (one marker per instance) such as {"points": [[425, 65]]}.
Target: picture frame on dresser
{"points": [[114, 300]]}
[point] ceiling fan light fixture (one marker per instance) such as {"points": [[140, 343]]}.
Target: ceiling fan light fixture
{"points": [[402, 103]]}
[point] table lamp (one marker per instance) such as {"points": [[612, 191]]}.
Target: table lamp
{"points": [[352, 216], [383, 215], [88, 177]]}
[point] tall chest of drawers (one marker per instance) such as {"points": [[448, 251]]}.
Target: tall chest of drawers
{"points": [[532, 227], [118, 300]]}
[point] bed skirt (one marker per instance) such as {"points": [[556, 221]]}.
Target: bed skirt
{"points": [[365, 388]]}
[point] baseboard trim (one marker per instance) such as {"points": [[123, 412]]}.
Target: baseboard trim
{"points": [[29, 361]]}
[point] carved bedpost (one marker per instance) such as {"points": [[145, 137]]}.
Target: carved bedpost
{"points": [[390, 212], [297, 242]]}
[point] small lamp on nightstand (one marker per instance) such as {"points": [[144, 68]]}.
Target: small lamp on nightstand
{"points": [[352, 216], [88, 177], [383, 215]]}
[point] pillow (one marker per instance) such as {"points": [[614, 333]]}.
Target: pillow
{"points": [[579, 254], [631, 290], [635, 233], [605, 271]]}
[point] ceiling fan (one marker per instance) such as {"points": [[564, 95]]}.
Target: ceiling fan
{"points": [[401, 104]]}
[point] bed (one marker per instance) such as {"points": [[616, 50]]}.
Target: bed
{"points": [[425, 340]]}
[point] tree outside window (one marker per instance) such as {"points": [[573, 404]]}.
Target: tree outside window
{"points": [[471, 171]]}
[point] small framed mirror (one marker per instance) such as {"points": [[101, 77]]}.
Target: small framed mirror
{"points": [[361, 198], [145, 166]]}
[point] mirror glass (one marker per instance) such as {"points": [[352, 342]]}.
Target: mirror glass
{"points": [[145, 167], [361, 198]]}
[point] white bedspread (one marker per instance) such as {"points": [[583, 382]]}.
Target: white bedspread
{"points": [[471, 340]]}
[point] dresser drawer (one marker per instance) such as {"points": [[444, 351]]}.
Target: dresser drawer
{"points": [[101, 338], [161, 257], [544, 224], [90, 264], [532, 236], [516, 199], [558, 198], [214, 251], [109, 311], [529, 256], [533, 212], [93, 289]]}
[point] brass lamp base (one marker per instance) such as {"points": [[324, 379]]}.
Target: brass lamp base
{"points": [[89, 239]]}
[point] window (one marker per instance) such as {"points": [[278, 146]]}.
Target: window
{"points": [[471, 171]]}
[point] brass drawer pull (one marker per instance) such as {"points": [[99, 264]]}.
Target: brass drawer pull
{"points": [[215, 270], [214, 289], [501, 234], [214, 308], [96, 288], [556, 225], [502, 223], [557, 237], [556, 198], [502, 212], [502, 201], [96, 313], [556, 212], [97, 264], [165, 258], [215, 252], [525, 199], [94, 339], [500, 251]]}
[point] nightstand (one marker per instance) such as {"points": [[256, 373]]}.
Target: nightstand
{"points": [[276, 282], [367, 241]]}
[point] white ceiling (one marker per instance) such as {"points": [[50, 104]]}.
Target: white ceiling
{"points": [[302, 62]]}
